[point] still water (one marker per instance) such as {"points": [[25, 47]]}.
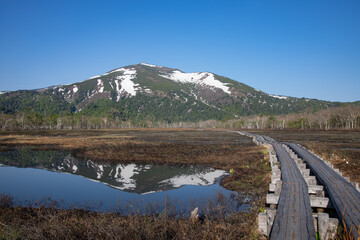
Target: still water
{"points": [[30, 175]]}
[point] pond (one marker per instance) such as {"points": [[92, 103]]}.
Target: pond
{"points": [[31, 176]]}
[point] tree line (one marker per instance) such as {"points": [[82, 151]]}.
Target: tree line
{"points": [[345, 117]]}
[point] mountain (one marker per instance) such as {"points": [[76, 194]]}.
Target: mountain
{"points": [[155, 93]]}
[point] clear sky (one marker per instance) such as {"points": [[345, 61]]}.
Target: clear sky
{"points": [[307, 48]]}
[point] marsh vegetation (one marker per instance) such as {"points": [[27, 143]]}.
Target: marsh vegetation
{"points": [[217, 149]]}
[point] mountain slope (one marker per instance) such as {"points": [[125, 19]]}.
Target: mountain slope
{"points": [[149, 92]]}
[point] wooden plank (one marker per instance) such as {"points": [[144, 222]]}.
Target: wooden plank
{"points": [[320, 202], [272, 199], [311, 188], [314, 188]]}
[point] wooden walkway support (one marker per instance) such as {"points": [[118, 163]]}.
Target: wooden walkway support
{"points": [[344, 197]]}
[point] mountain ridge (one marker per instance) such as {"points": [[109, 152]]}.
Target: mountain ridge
{"points": [[156, 93]]}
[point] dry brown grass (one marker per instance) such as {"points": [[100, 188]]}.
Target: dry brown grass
{"points": [[50, 223], [348, 162], [63, 141]]}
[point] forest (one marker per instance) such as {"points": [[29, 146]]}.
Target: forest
{"points": [[344, 117]]}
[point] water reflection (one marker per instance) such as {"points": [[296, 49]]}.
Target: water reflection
{"points": [[137, 178], [30, 175]]}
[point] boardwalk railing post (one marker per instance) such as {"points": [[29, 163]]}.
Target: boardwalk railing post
{"points": [[323, 225], [270, 215], [278, 186], [262, 223]]}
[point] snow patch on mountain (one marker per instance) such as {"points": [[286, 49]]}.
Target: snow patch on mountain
{"points": [[117, 90], [2, 93], [203, 179], [100, 85], [128, 86], [75, 89], [124, 82], [279, 97], [149, 65], [97, 76], [125, 71], [147, 90], [202, 78]]}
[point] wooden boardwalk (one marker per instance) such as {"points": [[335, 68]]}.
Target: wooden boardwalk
{"points": [[293, 219], [344, 196]]}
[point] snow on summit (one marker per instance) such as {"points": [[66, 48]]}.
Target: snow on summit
{"points": [[202, 78], [97, 76], [149, 65]]}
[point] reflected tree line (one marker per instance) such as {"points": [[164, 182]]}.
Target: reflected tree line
{"points": [[346, 117]]}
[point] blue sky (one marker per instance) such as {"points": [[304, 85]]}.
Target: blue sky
{"points": [[295, 48]]}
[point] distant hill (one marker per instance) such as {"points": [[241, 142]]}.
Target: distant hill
{"points": [[155, 93]]}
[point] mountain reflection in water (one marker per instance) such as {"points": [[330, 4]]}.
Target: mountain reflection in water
{"points": [[128, 182], [137, 178]]}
